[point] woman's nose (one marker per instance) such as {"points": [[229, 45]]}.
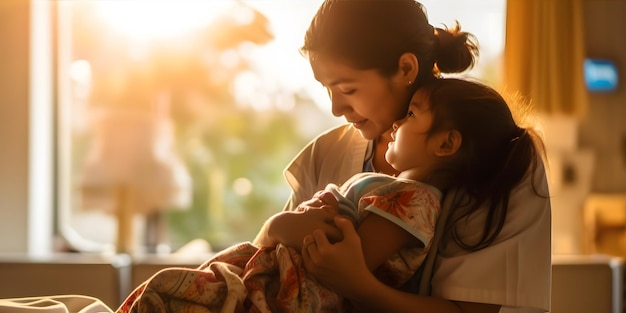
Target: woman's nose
{"points": [[339, 106]]}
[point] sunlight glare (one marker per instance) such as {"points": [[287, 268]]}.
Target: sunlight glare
{"points": [[80, 72], [229, 58], [280, 61], [242, 186], [149, 19]]}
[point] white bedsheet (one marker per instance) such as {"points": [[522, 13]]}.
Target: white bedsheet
{"points": [[54, 304]]}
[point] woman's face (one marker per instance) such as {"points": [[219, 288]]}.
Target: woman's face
{"points": [[368, 100]]}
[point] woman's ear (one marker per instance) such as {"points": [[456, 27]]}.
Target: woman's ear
{"points": [[408, 67], [450, 143]]}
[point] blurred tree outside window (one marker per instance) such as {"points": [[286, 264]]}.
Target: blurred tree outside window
{"points": [[187, 112]]}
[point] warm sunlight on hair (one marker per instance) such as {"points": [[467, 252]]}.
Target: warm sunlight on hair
{"points": [[146, 20]]}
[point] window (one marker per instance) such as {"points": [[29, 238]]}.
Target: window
{"points": [[483, 18], [187, 112]]}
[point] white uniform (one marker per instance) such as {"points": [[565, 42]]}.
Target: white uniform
{"points": [[515, 271]]}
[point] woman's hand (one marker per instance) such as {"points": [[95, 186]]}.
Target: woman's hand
{"points": [[340, 266]]}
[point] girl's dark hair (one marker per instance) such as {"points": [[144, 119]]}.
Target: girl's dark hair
{"points": [[373, 34], [495, 153]]}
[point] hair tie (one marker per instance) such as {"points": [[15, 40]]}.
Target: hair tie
{"points": [[522, 133]]}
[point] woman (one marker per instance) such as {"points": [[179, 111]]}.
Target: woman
{"points": [[371, 55]]}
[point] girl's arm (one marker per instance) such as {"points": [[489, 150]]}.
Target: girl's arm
{"points": [[343, 268], [290, 227], [380, 239]]}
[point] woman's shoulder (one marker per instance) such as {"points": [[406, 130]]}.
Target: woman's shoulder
{"points": [[344, 142], [339, 136], [332, 157]]}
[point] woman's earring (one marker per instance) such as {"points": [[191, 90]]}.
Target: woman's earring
{"points": [[410, 82]]}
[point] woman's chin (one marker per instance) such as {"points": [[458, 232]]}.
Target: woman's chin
{"points": [[367, 132]]}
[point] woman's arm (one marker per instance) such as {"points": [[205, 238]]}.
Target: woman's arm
{"points": [[342, 267]]}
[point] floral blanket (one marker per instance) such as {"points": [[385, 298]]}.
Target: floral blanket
{"points": [[242, 278]]}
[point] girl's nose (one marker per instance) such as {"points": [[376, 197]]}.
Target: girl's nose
{"points": [[397, 124]]}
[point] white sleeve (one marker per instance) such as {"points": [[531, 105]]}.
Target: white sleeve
{"points": [[515, 271]]}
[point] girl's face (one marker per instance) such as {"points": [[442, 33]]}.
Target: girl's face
{"points": [[368, 100], [412, 147]]}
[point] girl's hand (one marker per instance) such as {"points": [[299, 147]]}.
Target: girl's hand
{"points": [[290, 227], [340, 266], [320, 200]]}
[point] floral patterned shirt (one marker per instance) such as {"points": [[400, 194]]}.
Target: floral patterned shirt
{"points": [[410, 204]]}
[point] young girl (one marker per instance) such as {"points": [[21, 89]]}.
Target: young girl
{"points": [[456, 133], [493, 156]]}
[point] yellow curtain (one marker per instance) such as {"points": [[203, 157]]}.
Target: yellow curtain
{"points": [[544, 53]]}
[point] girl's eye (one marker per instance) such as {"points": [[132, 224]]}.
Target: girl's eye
{"points": [[348, 92], [410, 113]]}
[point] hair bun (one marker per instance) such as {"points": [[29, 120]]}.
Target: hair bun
{"points": [[457, 50]]}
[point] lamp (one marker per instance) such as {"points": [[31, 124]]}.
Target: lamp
{"points": [[131, 169]]}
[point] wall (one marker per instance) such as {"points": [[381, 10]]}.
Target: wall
{"points": [[14, 129], [26, 119], [604, 129]]}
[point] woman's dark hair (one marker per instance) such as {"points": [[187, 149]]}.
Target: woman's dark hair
{"points": [[373, 34], [495, 153]]}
